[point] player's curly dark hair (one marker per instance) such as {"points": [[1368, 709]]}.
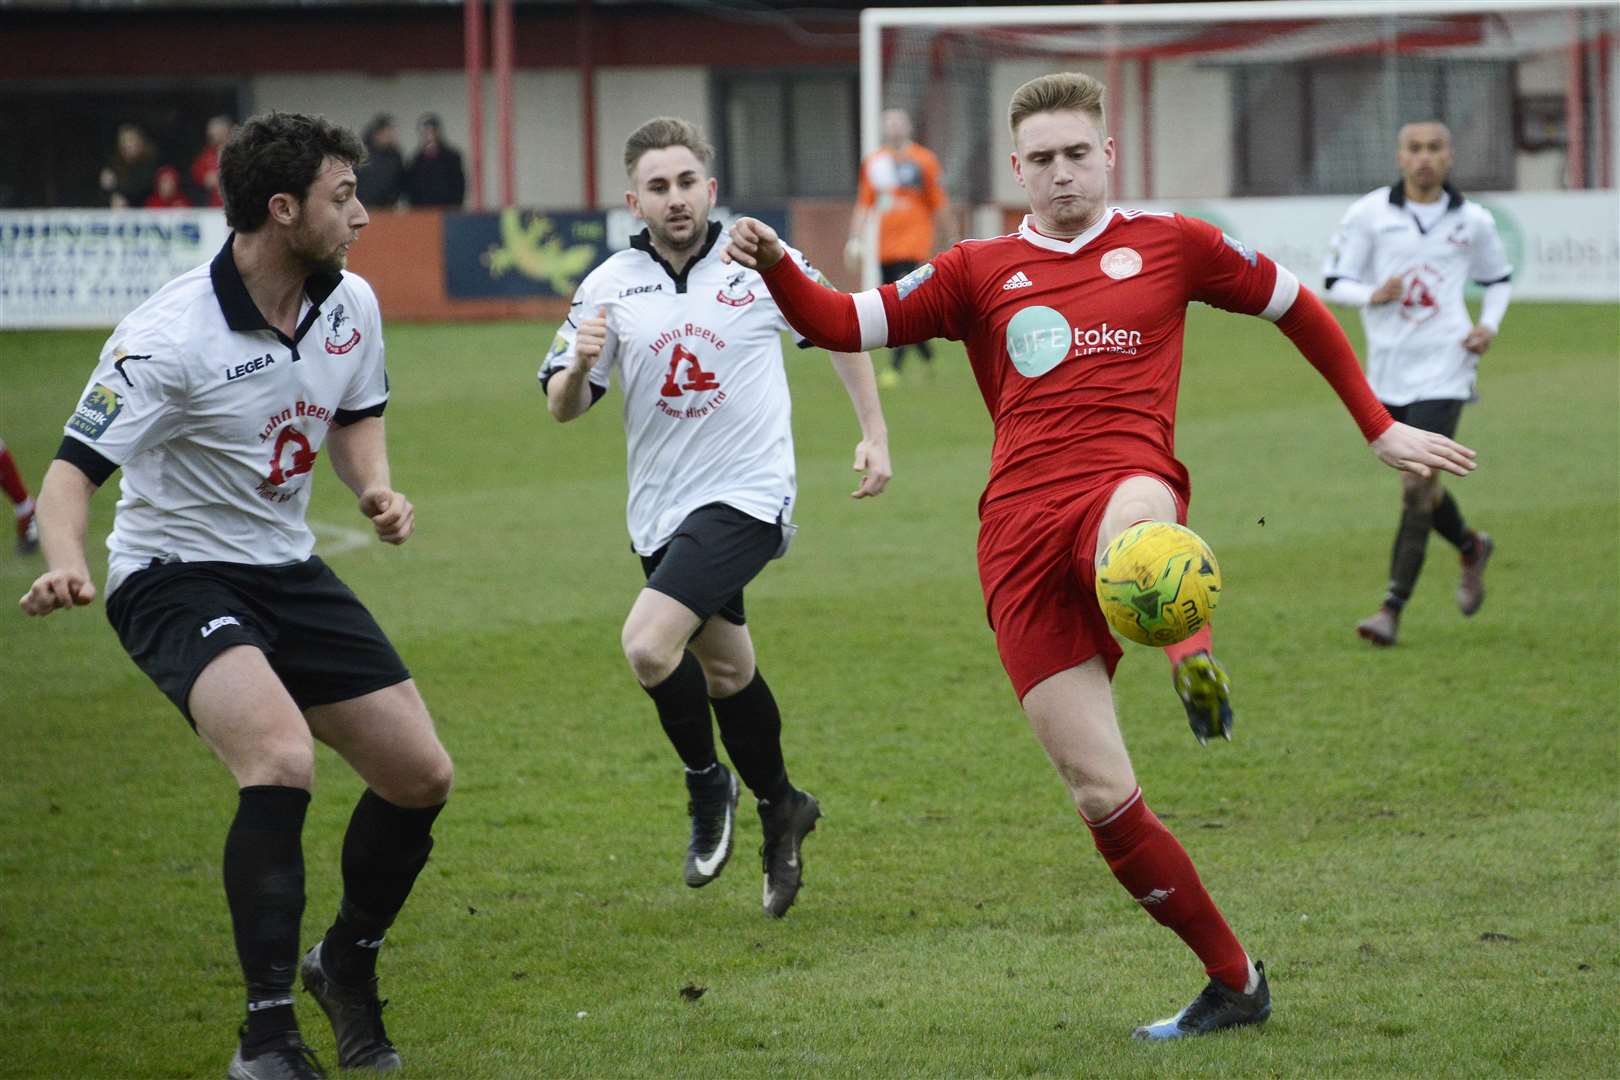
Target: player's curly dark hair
{"points": [[278, 153]]}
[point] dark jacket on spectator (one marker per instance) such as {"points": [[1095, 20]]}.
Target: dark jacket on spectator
{"points": [[136, 178], [381, 179], [436, 179]]}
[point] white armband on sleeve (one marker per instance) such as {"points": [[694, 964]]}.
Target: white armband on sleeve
{"points": [[1283, 295], [1494, 305], [874, 321], [1346, 291]]}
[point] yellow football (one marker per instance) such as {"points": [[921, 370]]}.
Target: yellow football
{"points": [[1158, 583]]}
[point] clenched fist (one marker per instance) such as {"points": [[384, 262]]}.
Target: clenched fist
{"points": [[58, 589], [754, 244]]}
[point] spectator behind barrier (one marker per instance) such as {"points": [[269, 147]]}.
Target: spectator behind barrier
{"points": [[381, 179], [435, 177], [166, 190], [129, 177], [205, 166]]}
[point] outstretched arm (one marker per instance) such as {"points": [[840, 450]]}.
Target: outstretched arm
{"points": [[1319, 337], [360, 458], [872, 453], [917, 308], [824, 316], [63, 512]]}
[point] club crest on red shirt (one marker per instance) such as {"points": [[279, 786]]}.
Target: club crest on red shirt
{"points": [[1121, 263]]}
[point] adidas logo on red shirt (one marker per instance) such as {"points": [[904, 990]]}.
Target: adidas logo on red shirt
{"points": [[1019, 280]]}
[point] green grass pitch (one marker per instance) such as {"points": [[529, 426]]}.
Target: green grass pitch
{"points": [[1420, 842]]}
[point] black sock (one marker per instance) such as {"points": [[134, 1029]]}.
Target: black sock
{"points": [[384, 849], [1406, 562], [897, 356], [925, 352], [1448, 522], [751, 728], [264, 885], [683, 709]]}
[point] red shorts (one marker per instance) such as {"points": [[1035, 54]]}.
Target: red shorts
{"points": [[1035, 566]]}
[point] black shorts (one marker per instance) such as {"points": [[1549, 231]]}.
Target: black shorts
{"points": [[715, 552], [324, 646], [1439, 416], [894, 271]]}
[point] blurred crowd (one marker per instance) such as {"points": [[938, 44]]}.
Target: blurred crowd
{"points": [[137, 176]]}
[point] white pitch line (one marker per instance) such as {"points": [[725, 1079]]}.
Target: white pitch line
{"points": [[336, 539]]}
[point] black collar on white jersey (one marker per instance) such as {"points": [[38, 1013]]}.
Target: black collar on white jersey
{"points": [[1397, 194], [243, 315], [642, 241]]}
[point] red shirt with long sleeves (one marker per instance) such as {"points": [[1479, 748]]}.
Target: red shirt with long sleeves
{"points": [[1077, 344]]}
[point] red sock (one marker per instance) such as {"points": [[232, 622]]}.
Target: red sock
{"points": [[1154, 868], [10, 479], [1199, 642]]}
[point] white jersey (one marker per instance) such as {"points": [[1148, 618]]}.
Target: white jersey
{"points": [[217, 418], [1414, 344], [699, 354]]}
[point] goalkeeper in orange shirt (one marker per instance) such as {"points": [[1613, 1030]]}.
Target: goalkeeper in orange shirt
{"points": [[900, 182]]}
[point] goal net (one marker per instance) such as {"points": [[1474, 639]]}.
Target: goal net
{"points": [[1286, 98]]}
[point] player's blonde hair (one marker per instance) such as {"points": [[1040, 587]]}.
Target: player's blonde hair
{"points": [[662, 132], [1061, 91]]}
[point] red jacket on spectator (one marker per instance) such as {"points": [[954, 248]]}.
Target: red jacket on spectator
{"points": [[166, 190], [205, 173]]}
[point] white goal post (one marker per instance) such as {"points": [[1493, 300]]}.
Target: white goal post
{"points": [[1261, 98]]}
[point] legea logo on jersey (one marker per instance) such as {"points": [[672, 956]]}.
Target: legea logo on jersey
{"points": [[97, 411], [250, 367]]}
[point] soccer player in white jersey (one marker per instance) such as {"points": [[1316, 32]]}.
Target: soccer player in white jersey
{"points": [[1403, 254], [697, 346], [216, 397]]}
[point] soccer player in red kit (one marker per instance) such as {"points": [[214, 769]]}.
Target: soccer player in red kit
{"points": [[1073, 326]]}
